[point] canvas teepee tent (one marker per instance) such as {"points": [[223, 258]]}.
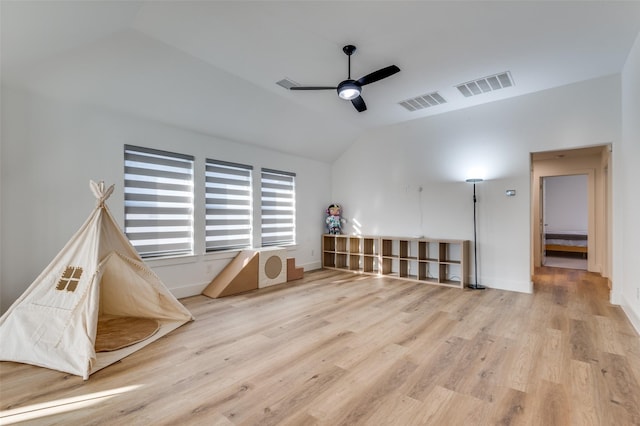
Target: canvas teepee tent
{"points": [[97, 288]]}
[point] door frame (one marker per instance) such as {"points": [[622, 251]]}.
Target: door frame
{"points": [[594, 161]]}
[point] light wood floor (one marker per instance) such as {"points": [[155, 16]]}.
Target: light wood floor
{"points": [[337, 348]]}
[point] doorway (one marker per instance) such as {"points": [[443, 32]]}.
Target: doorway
{"points": [[565, 215], [595, 163]]}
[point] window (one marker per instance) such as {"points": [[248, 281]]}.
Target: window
{"points": [[278, 207], [158, 201], [228, 205]]}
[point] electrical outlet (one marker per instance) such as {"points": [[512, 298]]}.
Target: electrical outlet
{"points": [[313, 252]]}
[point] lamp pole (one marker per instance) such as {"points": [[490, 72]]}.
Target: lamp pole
{"points": [[475, 285]]}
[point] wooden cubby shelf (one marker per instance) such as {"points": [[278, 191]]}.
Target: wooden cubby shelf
{"points": [[426, 260]]}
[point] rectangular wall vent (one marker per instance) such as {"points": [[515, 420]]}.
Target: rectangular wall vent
{"points": [[423, 101], [486, 84], [287, 83]]}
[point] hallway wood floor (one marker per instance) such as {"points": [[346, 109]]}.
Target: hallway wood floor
{"points": [[343, 349]]}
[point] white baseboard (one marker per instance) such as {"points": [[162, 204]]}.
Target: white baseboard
{"points": [[500, 284], [188, 290], [633, 318], [311, 266]]}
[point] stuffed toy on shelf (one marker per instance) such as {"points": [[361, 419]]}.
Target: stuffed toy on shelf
{"points": [[334, 221]]}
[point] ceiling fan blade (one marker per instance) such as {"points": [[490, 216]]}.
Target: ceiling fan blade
{"points": [[313, 88], [359, 104], [378, 75]]}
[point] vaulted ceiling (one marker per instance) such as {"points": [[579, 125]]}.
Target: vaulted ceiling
{"points": [[212, 66]]}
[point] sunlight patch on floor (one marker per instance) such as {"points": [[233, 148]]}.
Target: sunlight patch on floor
{"points": [[36, 411]]}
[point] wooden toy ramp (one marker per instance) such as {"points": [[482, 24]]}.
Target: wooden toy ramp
{"points": [[239, 276], [293, 272]]}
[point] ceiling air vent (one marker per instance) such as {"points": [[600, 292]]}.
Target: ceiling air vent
{"points": [[422, 102], [286, 83], [486, 84]]}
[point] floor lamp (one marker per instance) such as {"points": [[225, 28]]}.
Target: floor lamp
{"points": [[475, 285]]}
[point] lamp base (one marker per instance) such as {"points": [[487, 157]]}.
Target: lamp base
{"points": [[476, 287]]}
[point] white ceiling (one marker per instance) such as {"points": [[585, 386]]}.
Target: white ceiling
{"points": [[212, 66]]}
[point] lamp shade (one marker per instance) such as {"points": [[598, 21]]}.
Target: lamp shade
{"points": [[348, 90]]}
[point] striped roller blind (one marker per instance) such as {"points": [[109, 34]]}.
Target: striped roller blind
{"points": [[278, 207], [158, 201], [228, 205]]}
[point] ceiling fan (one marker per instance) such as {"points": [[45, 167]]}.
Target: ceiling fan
{"points": [[351, 89]]}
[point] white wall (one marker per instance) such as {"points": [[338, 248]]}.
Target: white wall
{"points": [[50, 151], [378, 178], [565, 203], [626, 193]]}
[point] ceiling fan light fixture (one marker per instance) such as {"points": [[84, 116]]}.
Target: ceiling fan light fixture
{"points": [[351, 90], [348, 90]]}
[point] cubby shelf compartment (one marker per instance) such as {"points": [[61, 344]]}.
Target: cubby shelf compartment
{"points": [[426, 260]]}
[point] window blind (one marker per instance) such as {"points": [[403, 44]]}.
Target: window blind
{"points": [[228, 205], [278, 207], [158, 201]]}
